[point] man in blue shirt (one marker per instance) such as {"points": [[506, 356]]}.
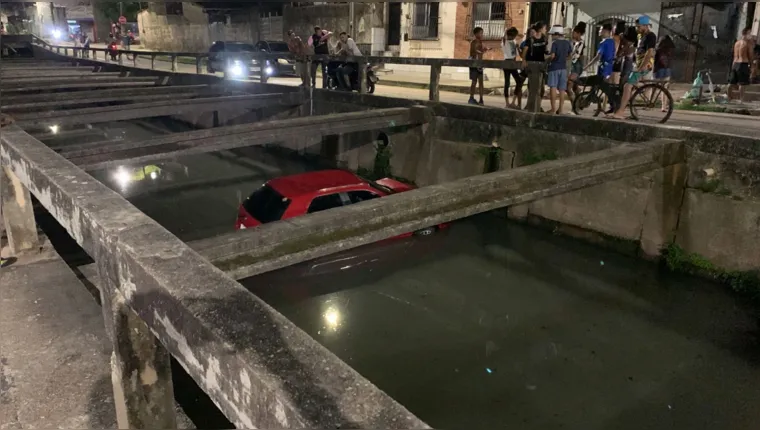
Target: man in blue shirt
{"points": [[606, 57], [557, 76]]}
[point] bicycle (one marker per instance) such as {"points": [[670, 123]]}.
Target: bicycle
{"points": [[646, 97]]}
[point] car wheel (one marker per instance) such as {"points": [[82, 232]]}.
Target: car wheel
{"points": [[425, 231]]}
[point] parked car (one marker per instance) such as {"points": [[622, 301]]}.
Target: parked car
{"points": [[223, 54], [296, 195], [277, 66]]}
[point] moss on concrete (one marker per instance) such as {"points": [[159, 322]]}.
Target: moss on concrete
{"points": [[535, 157], [746, 283]]}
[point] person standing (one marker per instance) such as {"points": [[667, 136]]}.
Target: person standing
{"points": [[561, 50], [298, 49], [510, 49], [535, 50], [347, 47], [644, 65], [476, 73], [576, 60], [740, 70], [318, 41], [662, 56]]}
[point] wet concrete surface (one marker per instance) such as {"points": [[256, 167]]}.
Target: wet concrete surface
{"points": [[494, 325]]}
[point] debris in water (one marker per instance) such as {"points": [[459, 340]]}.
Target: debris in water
{"points": [[531, 387], [601, 263], [670, 407], [488, 369]]}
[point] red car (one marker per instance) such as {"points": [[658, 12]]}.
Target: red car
{"points": [[296, 195]]}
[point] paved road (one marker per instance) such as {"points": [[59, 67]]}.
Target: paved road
{"points": [[725, 123]]}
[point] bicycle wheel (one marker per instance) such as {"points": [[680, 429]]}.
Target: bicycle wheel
{"points": [[647, 103], [585, 100]]}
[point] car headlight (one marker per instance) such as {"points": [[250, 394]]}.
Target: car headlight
{"points": [[269, 71], [57, 33], [236, 70], [282, 61]]}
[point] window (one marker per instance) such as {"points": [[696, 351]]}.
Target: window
{"points": [[491, 17], [240, 47], [323, 203], [424, 21], [266, 204], [360, 196]]}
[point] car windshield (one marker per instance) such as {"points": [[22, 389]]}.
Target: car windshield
{"points": [[239, 47], [266, 204], [278, 47]]}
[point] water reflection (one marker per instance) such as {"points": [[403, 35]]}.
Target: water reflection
{"points": [[496, 325]]}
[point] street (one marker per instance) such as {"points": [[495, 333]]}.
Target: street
{"points": [[707, 121]]}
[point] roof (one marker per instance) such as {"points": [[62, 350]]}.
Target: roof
{"points": [[311, 182]]}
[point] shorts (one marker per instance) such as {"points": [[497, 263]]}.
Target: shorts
{"points": [[740, 74], [558, 79], [475, 73], [576, 68], [635, 77], [662, 74]]}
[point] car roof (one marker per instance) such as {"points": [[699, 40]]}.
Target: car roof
{"points": [[312, 182]]}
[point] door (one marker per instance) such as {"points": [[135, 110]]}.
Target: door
{"points": [[394, 24], [541, 11]]}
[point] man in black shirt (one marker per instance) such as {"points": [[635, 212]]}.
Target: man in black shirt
{"points": [[319, 42]]}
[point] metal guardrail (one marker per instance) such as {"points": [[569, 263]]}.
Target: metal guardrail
{"points": [[535, 71]]}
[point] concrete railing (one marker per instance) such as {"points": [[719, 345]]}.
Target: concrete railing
{"points": [[535, 71], [160, 299]]}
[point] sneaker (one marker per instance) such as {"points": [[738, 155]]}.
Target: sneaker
{"points": [[472, 101], [481, 103], [5, 262]]}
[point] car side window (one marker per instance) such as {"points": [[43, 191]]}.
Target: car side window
{"points": [[360, 196], [260, 46], [322, 203], [217, 46]]}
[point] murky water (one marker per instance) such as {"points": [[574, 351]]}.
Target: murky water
{"points": [[498, 325], [489, 324]]}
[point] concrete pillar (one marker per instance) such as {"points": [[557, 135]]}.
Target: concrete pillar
{"points": [[663, 209], [17, 214], [174, 63], [140, 365], [535, 84], [435, 80]]}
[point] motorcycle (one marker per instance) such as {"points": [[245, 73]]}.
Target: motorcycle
{"points": [[113, 51], [332, 77]]}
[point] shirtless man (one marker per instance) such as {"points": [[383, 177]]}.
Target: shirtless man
{"points": [[740, 70], [298, 49]]}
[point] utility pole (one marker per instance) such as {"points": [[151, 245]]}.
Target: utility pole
{"points": [[351, 20]]}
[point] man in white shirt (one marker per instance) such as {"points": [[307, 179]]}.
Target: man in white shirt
{"points": [[347, 47]]}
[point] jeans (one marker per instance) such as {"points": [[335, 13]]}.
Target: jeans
{"points": [[314, 66]]}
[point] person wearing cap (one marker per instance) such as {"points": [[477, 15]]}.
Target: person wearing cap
{"points": [[557, 76], [644, 64]]}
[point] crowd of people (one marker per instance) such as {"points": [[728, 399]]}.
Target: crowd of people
{"points": [[626, 55], [318, 44]]}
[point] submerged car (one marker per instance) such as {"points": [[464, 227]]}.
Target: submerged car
{"points": [[305, 193]]}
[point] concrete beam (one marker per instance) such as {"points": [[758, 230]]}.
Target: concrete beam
{"points": [[35, 68], [146, 110], [260, 369], [50, 137], [17, 213], [222, 138], [117, 92], [62, 73], [95, 78], [280, 244], [119, 83], [63, 104]]}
